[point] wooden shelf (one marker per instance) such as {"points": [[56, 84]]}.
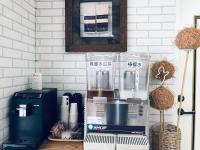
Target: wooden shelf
{"points": [[50, 145]]}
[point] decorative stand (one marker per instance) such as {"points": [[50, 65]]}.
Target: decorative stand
{"points": [[164, 136]]}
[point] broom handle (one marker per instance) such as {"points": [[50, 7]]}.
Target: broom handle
{"points": [[180, 104]]}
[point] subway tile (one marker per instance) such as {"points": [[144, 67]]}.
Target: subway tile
{"points": [[7, 52], [149, 10], [43, 35], [12, 72], [58, 4], [5, 62], [63, 64], [28, 56], [162, 3], [8, 92], [137, 34], [20, 63], [28, 7], [51, 71], [28, 24], [20, 10], [20, 28], [5, 82], [74, 57], [5, 22], [50, 12], [43, 5], [136, 3], [149, 26], [51, 42], [41, 20], [75, 87], [161, 34], [51, 27], [44, 64], [12, 15], [5, 42], [148, 42], [20, 46], [11, 34], [59, 86], [75, 72], [137, 18], [162, 18], [64, 79], [20, 81], [7, 3], [59, 19], [51, 57]]}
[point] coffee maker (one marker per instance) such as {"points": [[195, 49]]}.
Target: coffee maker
{"points": [[32, 114]]}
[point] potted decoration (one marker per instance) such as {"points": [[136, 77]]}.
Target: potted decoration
{"points": [[161, 98], [166, 136]]}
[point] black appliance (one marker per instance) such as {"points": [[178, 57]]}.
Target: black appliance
{"points": [[32, 114]]}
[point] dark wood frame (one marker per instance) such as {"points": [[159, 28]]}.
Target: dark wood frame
{"points": [[71, 47]]}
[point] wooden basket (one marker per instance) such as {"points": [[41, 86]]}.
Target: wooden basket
{"points": [[167, 139]]}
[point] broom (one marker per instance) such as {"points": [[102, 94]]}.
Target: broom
{"points": [[187, 40]]}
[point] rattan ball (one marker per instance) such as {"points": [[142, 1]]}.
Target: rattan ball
{"points": [[161, 98], [167, 66], [188, 38]]}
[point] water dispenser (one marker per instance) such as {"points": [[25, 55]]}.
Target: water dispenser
{"points": [[117, 98]]}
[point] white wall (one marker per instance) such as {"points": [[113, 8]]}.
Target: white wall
{"points": [[187, 10], [17, 52]]}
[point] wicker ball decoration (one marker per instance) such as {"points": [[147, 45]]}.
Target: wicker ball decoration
{"points": [[57, 130], [161, 98], [167, 66], [188, 38]]}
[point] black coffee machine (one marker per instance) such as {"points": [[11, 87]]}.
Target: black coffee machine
{"points": [[32, 114]]}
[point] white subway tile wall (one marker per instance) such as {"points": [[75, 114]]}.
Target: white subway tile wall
{"points": [[17, 52], [151, 28]]}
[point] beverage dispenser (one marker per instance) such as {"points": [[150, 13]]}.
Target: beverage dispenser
{"points": [[101, 72], [117, 100], [134, 83]]}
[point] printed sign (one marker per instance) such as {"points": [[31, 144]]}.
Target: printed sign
{"points": [[100, 64], [134, 64]]}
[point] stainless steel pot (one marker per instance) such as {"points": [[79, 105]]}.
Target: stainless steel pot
{"points": [[117, 112]]}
